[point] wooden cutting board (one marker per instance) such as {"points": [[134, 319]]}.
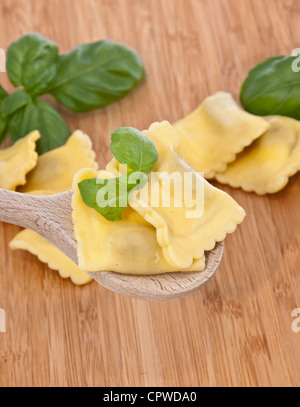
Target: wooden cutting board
{"points": [[235, 331]]}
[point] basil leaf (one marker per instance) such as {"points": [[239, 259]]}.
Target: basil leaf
{"points": [[3, 93], [14, 102], [131, 147], [32, 61], [109, 197], [272, 87], [38, 115], [3, 120], [95, 74], [3, 127]]}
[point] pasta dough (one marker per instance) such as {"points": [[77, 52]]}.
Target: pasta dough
{"points": [[128, 246], [53, 174], [182, 238], [56, 168], [49, 254], [17, 161], [213, 134], [266, 165]]}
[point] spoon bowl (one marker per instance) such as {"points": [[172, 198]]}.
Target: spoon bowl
{"points": [[51, 217]]}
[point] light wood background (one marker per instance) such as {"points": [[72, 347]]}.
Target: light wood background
{"points": [[235, 331]]}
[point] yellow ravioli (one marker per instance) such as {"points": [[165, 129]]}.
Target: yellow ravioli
{"points": [[128, 246], [56, 168], [266, 165], [215, 132], [182, 237], [49, 254], [54, 174], [17, 161]]}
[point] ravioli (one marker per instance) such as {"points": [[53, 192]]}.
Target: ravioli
{"points": [[212, 135], [128, 246], [182, 237], [17, 161], [54, 174], [56, 168], [266, 165], [49, 254]]}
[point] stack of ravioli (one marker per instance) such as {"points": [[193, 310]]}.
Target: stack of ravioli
{"points": [[219, 139], [50, 173], [257, 154], [153, 238]]}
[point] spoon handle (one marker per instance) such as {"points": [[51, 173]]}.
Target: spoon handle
{"points": [[50, 216], [18, 209]]}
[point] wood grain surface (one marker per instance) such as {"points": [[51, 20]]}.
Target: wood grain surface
{"points": [[235, 331]]}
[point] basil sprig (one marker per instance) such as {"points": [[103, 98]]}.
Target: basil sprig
{"points": [[14, 102], [90, 76], [96, 74], [31, 62], [131, 147], [273, 87], [3, 119], [39, 115], [3, 93], [110, 196]]}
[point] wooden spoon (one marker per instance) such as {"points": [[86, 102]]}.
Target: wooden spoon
{"points": [[51, 217]]}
